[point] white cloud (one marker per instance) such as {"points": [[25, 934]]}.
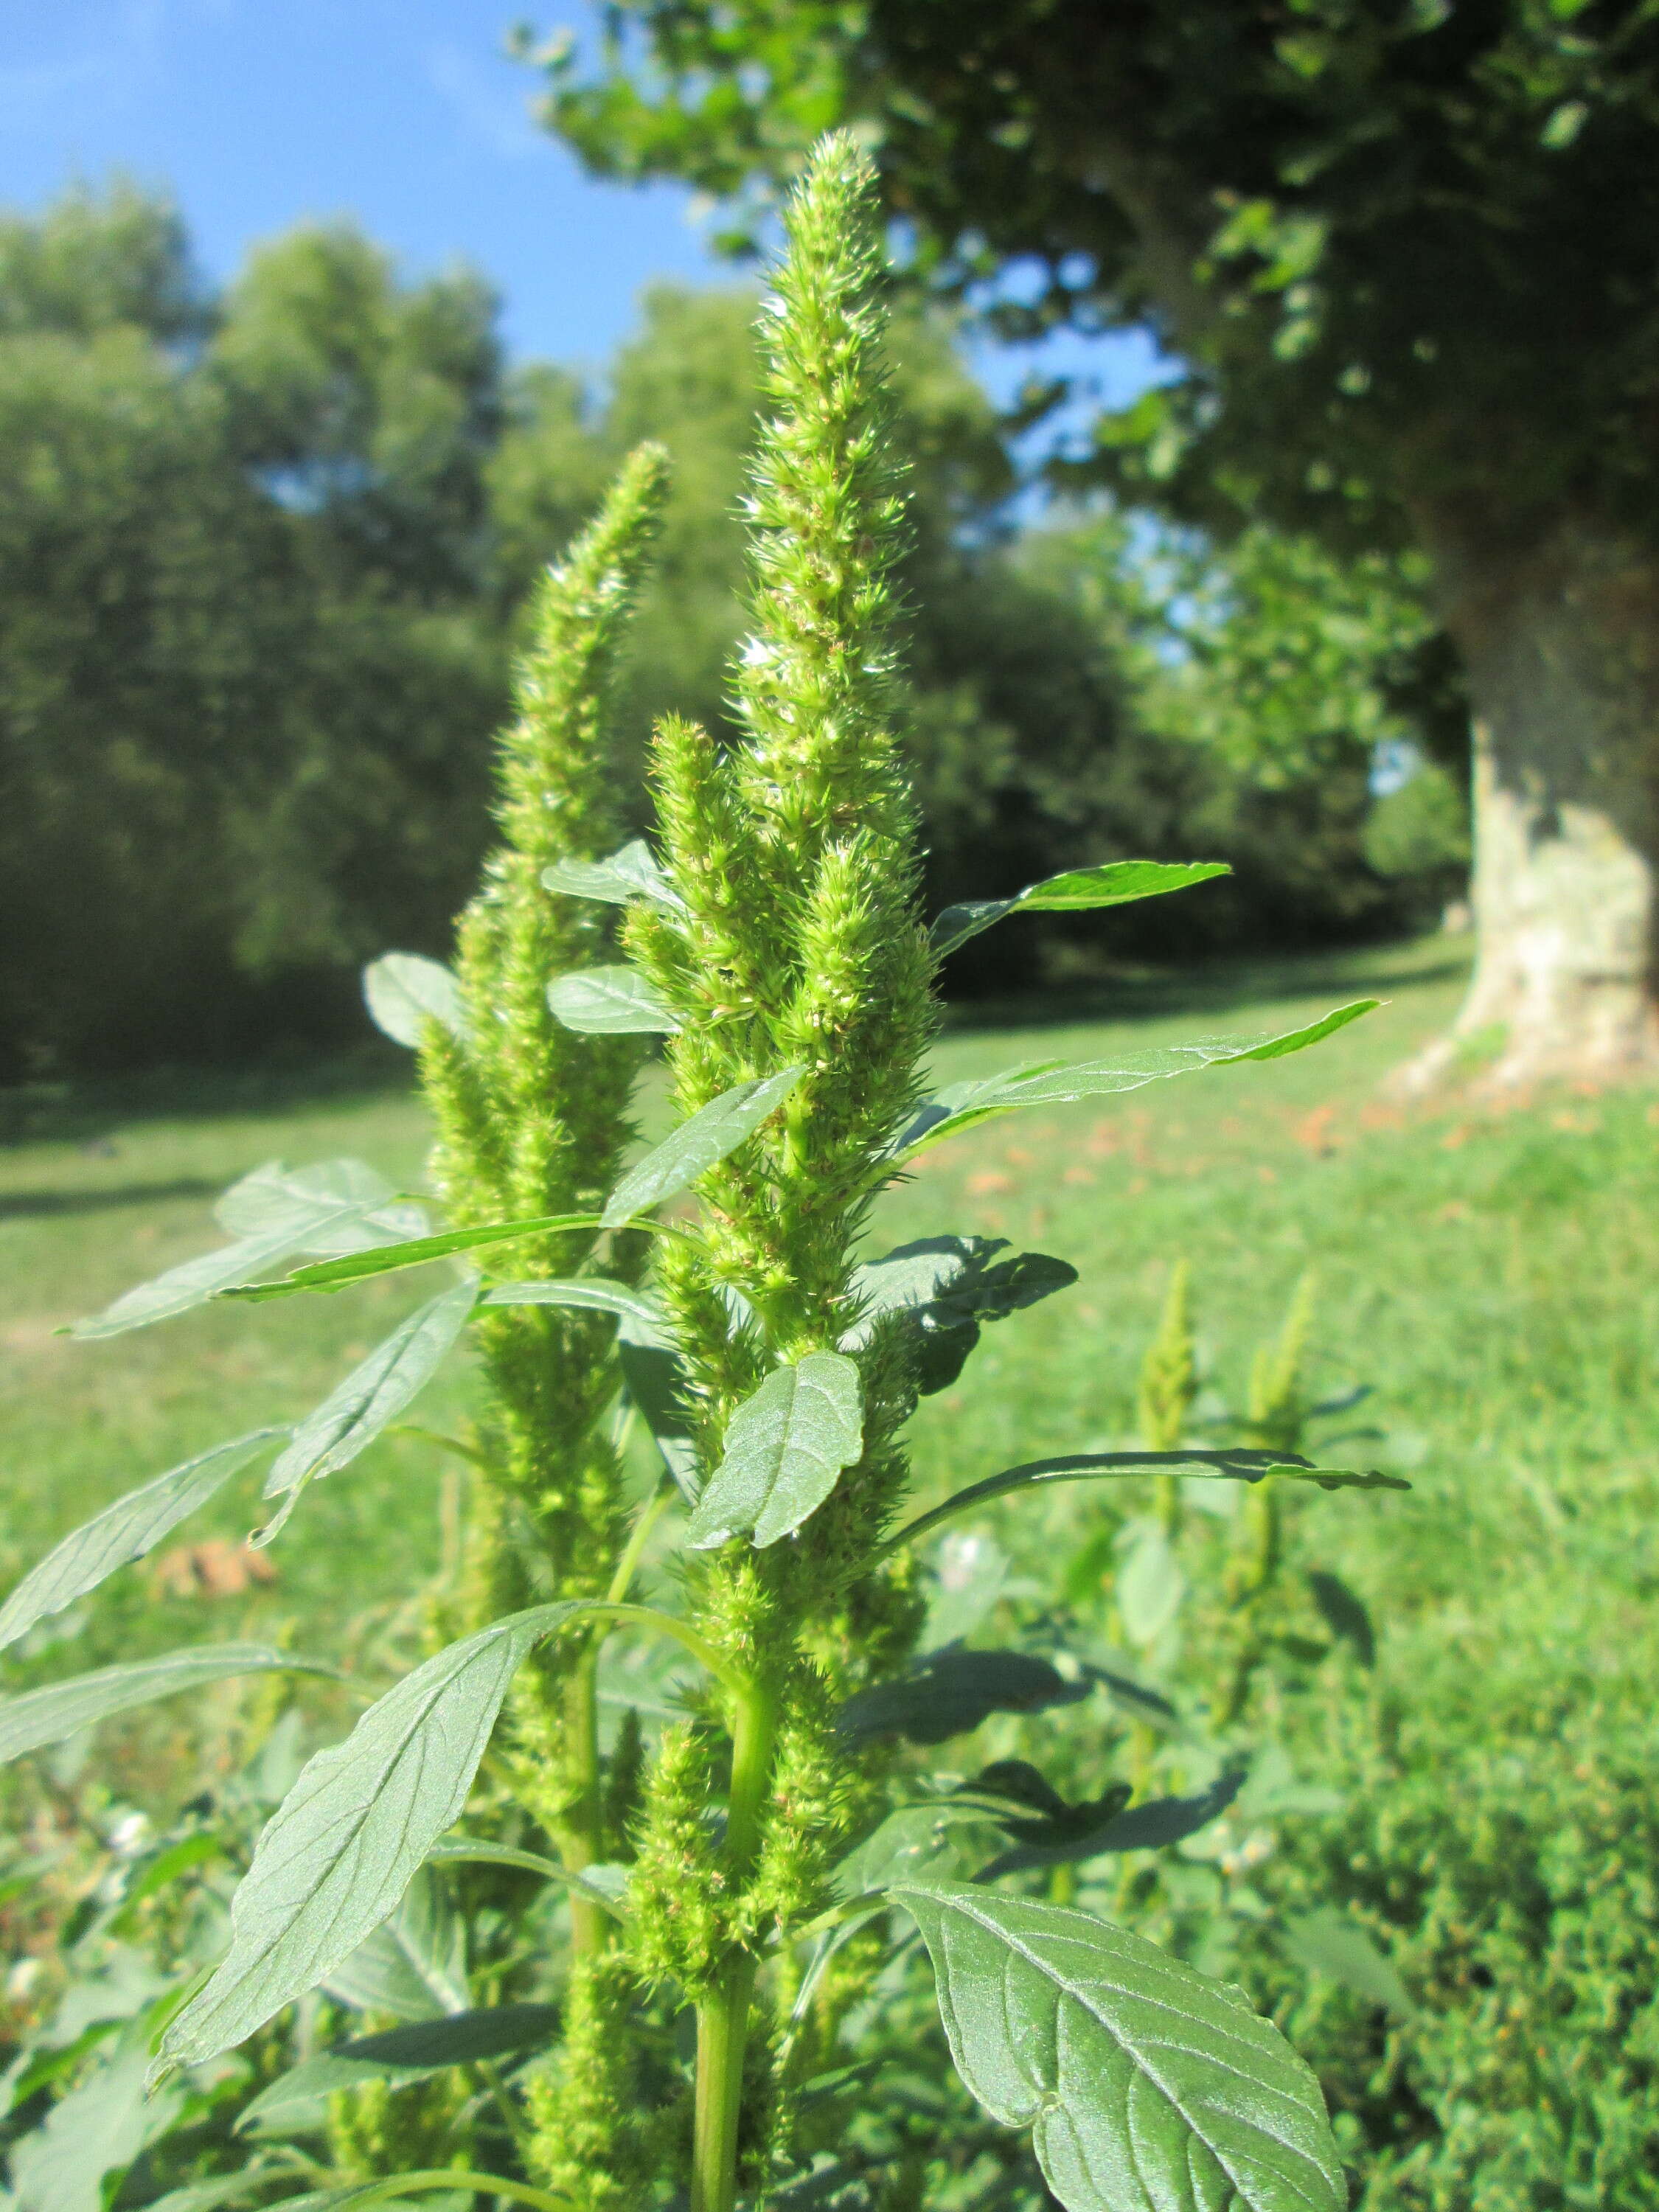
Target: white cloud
{"points": [[493, 105]]}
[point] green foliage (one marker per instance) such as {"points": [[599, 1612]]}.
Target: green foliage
{"points": [[779, 928]]}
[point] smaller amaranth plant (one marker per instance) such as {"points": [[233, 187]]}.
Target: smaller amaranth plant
{"points": [[748, 1873]]}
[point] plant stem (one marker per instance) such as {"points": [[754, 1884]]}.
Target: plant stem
{"points": [[579, 1843], [723, 2018]]}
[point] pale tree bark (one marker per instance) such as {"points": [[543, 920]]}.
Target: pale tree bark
{"points": [[1559, 637]]}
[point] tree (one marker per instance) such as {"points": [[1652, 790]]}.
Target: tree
{"points": [[1406, 253]]}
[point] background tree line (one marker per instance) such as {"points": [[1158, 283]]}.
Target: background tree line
{"points": [[262, 554]]}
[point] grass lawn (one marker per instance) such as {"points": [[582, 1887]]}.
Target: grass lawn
{"points": [[1488, 1273]]}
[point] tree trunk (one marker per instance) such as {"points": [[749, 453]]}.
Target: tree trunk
{"points": [[1560, 636]]}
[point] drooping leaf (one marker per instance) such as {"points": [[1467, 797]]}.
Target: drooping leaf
{"points": [[591, 1291], [1326, 1941], [342, 1849], [1228, 1466], [398, 2056], [785, 1450], [611, 1001], [1052, 1082], [1113, 882], [48, 1715], [413, 1252], [128, 1529], [413, 1964], [93, 2136], [192, 1283], [404, 992], [370, 1398], [1085, 1832], [698, 1145], [949, 1693], [655, 1377], [1147, 2087], [1344, 1614], [323, 1205], [631, 874]]}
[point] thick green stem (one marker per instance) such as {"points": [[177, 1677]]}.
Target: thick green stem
{"points": [[579, 1843], [723, 2018]]}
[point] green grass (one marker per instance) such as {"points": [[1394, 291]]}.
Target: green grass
{"points": [[1487, 1272]]}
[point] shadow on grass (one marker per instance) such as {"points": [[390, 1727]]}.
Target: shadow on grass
{"points": [[84, 1112], [36, 1204], [1368, 971]]}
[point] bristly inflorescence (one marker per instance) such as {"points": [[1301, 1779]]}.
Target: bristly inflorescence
{"points": [[800, 946]]}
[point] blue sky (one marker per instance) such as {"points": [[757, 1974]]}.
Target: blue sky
{"points": [[404, 114]]}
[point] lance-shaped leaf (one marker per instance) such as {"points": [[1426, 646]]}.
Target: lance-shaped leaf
{"points": [[785, 1450], [1147, 2087], [1227, 1466], [1053, 1083], [611, 1001], [48, 1715], [414, 1252], [372, 1396], [1113, 882], [1071, 1835], [950, 1691], [592, 1293], [706, 1138], [341, 1850], [404, 992], [629, 874], [192, 1284], [399, 2057], [128, 1529], [323, 1205]]}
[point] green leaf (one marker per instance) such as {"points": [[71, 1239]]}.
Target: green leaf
{"points": [[1092, 1466], [1342, 1612], [404, 992], [324, 1206], [1147, 2087], [415, 1252], [944, 1287], [655, 1377], [605, 1885], [1051, 1083], [591, 1291], [1150, 1585], [1067, 1839], [1113, 882], [1326, 1941], [611, 1001], [123, 1531], [94, 2135], [629, 874], [785, 1450], [1337, 1478], [192, 1284], [413, 1964], [970, 1569], [399, 2057], [949, 1693], [48, 1715], [341, 1850], [370, 1398], [917, 1841], [698, 1145]]}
